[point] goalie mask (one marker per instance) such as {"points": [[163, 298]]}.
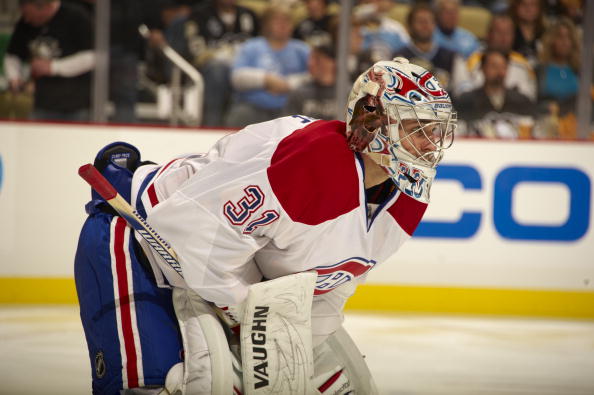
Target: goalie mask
{"points": [[399, 115]]}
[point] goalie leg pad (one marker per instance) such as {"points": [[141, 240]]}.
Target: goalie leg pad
{"points": [[207, 362], [276, 340], [340, 367]]}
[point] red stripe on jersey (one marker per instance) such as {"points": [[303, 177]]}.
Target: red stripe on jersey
{"points": [[408, 212], [165, 167], [152, 194], [330, 381], [313, 173], [124, 292]]}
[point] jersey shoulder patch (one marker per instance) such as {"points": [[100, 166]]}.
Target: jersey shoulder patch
{"points": [[313, 173]]}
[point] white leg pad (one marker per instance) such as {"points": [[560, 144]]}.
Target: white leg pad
{"points": [[174, 380], [340, 367], [276, 340], [207, 362]]}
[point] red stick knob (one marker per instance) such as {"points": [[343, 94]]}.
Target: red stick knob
{"points": [[96, 180]]}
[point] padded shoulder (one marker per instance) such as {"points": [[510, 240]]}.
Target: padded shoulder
{"points": [[313, 173]]}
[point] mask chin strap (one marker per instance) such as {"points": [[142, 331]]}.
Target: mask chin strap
{"points": [[383, 160]]}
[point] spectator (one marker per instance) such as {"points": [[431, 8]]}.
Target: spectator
{"points": [[559, 65], [174, 10], [448, 34], [266, 69], [493, 110], [572, 9], [529, 19], [209, 37], [424, 50], [317, 98], [382, 35], [359, 60], [315, 29], [126, 50], [558, 78], [500, 37], [56, 40]]}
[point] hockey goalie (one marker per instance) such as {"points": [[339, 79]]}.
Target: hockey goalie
{"points": [[274, 228]]}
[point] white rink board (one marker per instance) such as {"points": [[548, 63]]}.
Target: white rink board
{"points": [[488, 259], [42, 207], [42, 197]]}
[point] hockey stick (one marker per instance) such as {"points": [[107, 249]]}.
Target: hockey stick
{"points": [[100, 184]]}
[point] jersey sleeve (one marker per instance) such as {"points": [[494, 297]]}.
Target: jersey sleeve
{"points": [[245, 55]]}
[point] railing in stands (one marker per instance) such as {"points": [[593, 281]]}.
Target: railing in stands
{"points": [[169, 99]]}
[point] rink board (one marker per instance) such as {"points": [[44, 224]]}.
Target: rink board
{"points": [[508, 230]]}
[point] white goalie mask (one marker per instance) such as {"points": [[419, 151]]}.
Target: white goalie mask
{"points": [[400, 116]]}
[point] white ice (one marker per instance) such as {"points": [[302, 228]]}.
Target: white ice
{"points": [[43, 351]]}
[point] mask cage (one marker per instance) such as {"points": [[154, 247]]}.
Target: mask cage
{"points": [[420, 132]]}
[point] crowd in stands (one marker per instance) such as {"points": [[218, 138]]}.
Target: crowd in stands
{"points": [[511, 66]]}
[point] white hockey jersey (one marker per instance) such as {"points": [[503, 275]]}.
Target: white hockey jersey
{"points": [[275, 198]]}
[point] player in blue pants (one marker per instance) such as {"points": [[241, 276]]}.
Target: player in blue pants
{"points": [[130, 325]]}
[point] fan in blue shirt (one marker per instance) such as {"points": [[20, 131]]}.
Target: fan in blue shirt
{"points": [[448, 34], [266, 68]]}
